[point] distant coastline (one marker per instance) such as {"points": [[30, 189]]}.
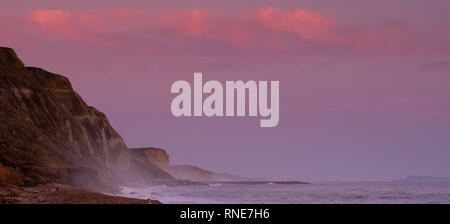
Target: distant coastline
{"points": [[424, 179]]}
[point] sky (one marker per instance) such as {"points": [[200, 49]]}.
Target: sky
{"points": [[364, 85]]}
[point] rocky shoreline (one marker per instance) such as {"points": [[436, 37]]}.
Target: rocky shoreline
{"points": [[62, 194]]}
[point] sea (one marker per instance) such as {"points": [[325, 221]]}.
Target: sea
{"points": [[296, 193]]}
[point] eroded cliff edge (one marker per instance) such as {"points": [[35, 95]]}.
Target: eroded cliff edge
{"points": [[161, 159], [48, 134]]}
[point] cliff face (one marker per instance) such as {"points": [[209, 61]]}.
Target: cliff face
{"points": [[160, 158], [192, 173], [48, 133], [157, 156]]}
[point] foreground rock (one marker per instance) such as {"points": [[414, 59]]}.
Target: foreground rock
{"points": [[61, 194]]}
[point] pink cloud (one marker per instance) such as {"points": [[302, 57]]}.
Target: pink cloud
{"points": [[244, 30], [52, 21], [270, 29], [196, 23], [61, 23], [191, 23], [307, 25], [50, 18]]}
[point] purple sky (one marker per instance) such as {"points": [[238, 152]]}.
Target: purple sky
{"points": [[364, 85]]}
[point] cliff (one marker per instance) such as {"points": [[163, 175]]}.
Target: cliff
{"points": [[161, 159], [157, 156], [192, 173], [48, 134]]}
